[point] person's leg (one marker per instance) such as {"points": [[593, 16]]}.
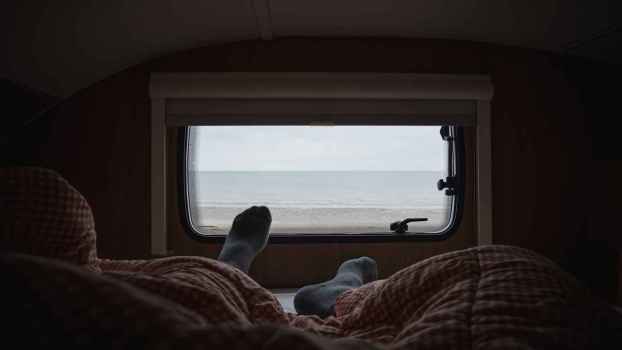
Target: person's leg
{"points": [[247, 237], [319, 299]]}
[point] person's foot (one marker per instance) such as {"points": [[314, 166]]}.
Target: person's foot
{"points": [[319, 299], [247, 238]]}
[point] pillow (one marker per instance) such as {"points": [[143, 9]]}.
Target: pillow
{"points": [[42, 214]]}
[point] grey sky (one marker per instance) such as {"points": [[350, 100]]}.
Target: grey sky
{"points": [[317, 148]]}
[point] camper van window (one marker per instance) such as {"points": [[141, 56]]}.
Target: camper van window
{"points": [[337, 182]]}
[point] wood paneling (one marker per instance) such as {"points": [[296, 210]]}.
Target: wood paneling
{"points": [[542, 172], [98, 140]]}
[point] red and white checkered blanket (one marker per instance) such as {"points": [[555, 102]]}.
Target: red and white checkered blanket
{"points": [[484, 297], [480, 297]]}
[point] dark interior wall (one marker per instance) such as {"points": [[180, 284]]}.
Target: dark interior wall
{"points": [[542, 145], [21, 105], [599, 97]]}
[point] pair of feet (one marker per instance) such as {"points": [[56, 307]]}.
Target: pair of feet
{"points": [[249, 236]]}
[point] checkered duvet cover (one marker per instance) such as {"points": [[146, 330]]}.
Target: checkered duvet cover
{"points": [[484, 297], [490, 297], [56, 291]]}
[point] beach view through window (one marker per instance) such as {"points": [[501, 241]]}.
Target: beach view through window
{"points": [[318, 179]]}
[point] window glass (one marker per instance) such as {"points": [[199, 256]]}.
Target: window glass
{"points": [[318, 179]]}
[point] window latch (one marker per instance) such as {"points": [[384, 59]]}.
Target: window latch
{"points": [[402, 226], [445, 135], [449, 184]]}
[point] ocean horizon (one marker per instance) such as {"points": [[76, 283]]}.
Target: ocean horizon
{"points": [[317, 189]]}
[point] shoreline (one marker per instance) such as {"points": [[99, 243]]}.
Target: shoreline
{"points": [[217, 220]]}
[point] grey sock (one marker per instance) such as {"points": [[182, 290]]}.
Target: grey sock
{"points": [[319, 299], [248, 236]]}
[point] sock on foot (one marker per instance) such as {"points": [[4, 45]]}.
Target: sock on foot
{"points": [[319, 299], [247, 238]]}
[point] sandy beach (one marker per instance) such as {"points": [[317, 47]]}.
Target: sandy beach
{"points": [[217, 220]]}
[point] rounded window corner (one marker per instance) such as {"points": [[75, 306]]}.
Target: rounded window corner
{"points": [[453, 225]]}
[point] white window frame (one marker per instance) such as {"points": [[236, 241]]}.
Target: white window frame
{"points": [[431, 98]]}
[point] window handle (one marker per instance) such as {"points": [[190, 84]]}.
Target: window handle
{"points": [[445, 133], [402, 226], [449, 183]]}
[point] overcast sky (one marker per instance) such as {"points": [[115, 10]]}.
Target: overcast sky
{"points": [[317, 148]]}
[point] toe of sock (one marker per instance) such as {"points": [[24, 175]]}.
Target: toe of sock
{"points": [[364, 266], [264, 211], [258, 211]]}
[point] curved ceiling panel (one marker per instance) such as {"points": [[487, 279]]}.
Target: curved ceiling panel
{"points": [[61, 46], [543, 24]]}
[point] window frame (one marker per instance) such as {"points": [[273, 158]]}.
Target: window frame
{"points": [[166, 89], [455, 214]]}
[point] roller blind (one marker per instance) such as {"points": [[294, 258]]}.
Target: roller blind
{"points": [[307, 98]]}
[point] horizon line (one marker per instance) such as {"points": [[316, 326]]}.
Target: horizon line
{"points": [[321, 170]]}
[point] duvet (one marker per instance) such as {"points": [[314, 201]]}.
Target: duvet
{"points": [[489, 297], [57, 292]]}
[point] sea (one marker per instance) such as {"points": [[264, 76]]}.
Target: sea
{"points": [[317, 189]]}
